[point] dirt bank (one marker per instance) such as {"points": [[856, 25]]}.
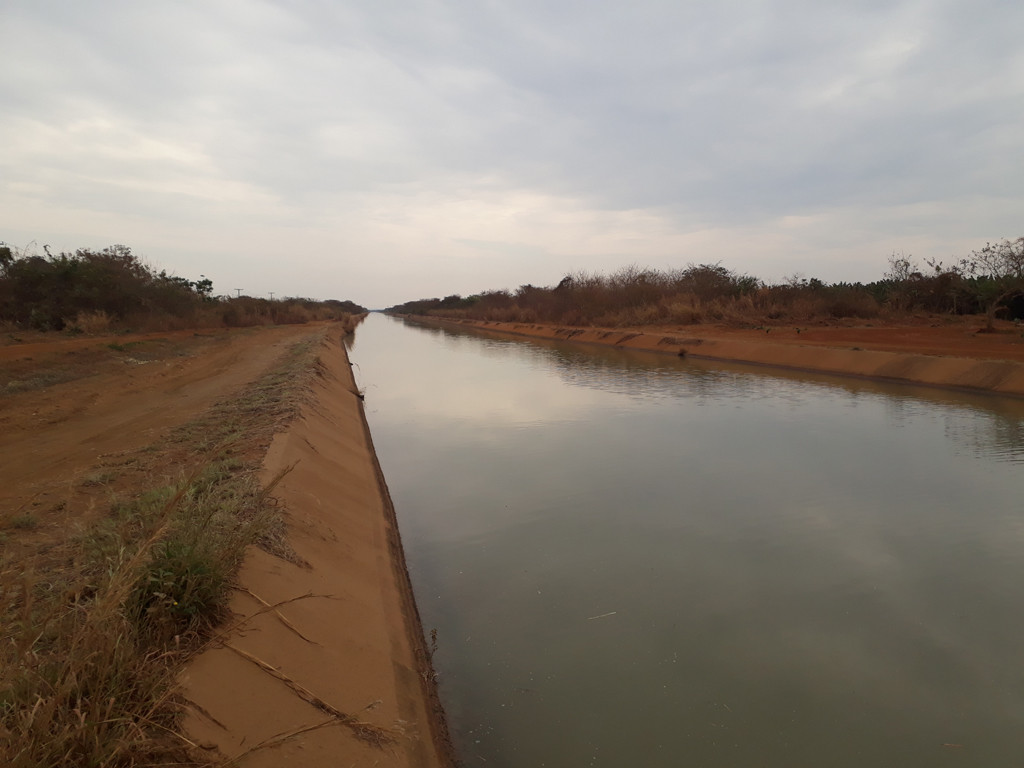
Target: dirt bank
{"points": [[343, 648], [85, 420], [951, 355]]}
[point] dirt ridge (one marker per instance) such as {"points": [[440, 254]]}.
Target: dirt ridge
{"points": [[952, 358]]}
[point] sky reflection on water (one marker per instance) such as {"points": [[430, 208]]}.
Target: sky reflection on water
{"points": [[800, 570]]}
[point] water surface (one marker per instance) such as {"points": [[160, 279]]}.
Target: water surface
{"points": [[632, 559]]}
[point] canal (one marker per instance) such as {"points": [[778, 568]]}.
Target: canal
{"points": [[633, 559]]}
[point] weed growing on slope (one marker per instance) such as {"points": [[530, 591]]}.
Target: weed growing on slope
{"points": [[88, 663]]}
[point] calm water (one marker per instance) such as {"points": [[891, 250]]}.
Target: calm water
{"points": [[638, 560]]}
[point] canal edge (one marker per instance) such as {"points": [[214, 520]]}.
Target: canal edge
{"points": [[1002, 378], [438, 721]]}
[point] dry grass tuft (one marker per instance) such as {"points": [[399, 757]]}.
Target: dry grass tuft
{"points": [[92, 322], [88, 661]]}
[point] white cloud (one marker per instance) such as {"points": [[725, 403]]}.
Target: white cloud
{"points": [[393, 150]]}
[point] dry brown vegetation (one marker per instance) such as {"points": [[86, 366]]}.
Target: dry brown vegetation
{"points": [[634, 296], [990, 281], [113, 289]]}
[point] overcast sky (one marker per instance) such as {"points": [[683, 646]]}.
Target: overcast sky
{"points": [[384, 151]]}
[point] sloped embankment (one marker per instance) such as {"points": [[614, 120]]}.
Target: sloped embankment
{"points": [[936, 359], [326, 664]]}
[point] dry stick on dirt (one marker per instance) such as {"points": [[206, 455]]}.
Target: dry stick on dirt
{"points": [[368, 732], [220, 636], [277, 613], [204, 712], [281, 738]]}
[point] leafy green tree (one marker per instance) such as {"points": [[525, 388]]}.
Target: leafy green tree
{"points": [[49, 292]]}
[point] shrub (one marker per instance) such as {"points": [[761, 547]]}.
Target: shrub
{"points": [[92, 291], [92, 322], [60, 291]]}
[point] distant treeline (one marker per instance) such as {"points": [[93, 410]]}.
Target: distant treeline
{"points": [[93, 291], [989, 281]]}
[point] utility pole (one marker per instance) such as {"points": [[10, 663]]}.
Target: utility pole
{"points": [[239, 291], [271, 295]]}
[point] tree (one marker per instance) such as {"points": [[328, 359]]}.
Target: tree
{"points": [[998, 270], [204, 287], [710, 281], [50, 292]]}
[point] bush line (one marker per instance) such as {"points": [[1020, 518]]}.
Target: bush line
{"points": [[989, 281]]}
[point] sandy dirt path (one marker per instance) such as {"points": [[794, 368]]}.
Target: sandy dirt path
{"points": [[58, 440]]}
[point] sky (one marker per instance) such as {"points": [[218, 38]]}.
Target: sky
{"points": [[383, 151]]}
